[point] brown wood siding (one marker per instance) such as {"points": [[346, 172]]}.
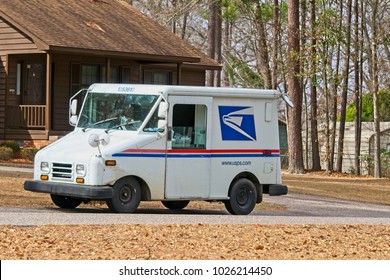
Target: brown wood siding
{"points": [[12, 98], [192, 77], [3, 65], [61, 92], [62, 83], [13, 41], [134, 68]]}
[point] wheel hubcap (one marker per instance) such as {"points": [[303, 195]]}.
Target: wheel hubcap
{"points": [[125, 194], [242, 196]]}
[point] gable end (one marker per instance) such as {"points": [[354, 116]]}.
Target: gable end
{"points": [[13, 41]]}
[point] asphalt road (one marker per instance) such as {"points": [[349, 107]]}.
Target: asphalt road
{"points": [[300, 209]]}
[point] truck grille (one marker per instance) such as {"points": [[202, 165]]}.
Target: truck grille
{"points": [[62, 171]]}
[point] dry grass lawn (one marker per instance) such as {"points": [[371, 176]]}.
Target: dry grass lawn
{"points": [[342, 186], [198, 241]]}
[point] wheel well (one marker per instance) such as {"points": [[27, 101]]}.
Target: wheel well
{"points": [[254, 180]]}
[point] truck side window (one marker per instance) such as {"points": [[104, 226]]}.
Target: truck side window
{"points": [[189, 126]]}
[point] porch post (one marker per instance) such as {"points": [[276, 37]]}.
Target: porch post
{"points": [[178, 73], [48, 94]]}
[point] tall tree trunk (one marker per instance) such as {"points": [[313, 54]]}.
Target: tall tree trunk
{"points": [[218, 41], [262, 55], [375, 86], [315, 151], [344, 94], [361, 59], [358, 118], [174, 5], [184, 29], [294, 89], [211, 39], [226, 52], [328, 150], [302, 71], [336, 84], [276, 44]]}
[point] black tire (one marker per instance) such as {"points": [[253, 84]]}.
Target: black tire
{"points": [[175, 204], [126, 197], [65, 202], [242, 197]]}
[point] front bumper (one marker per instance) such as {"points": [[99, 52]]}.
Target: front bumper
{"points": [[79, 191]]}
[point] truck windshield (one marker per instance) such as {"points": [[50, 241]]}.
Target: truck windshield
{"points": [[115, 111]]}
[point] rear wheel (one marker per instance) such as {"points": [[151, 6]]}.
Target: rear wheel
{"points": [[175, 204], [126, 197], [65, 202], [242, 197]]}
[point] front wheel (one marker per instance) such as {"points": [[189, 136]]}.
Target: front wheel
{"points": [[242, 197], [65, 202], [126, 197]]}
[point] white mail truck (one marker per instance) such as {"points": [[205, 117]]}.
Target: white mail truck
{"points": [[173, 144]]}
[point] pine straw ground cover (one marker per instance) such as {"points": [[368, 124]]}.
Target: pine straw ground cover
{"points": [[202, 242], [191, 241]]}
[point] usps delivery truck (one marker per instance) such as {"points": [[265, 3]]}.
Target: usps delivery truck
{"points": [[172, 144]]}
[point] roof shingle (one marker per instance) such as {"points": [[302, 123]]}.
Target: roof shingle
{"points": [[98, 25]]}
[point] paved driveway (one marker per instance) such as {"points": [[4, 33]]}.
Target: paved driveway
{"points": [[299, 209]]}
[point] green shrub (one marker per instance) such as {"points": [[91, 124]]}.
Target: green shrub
{"points": [[6, 153], [29, 153], [13, 145]]}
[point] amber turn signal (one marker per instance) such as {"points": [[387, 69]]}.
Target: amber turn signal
{"points": [[110, 162], [80, 180]]}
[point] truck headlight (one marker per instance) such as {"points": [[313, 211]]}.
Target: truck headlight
{"points": [[45, 167], [80, 170]]}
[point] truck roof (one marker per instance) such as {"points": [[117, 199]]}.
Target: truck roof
{"points": [[184, 90]]}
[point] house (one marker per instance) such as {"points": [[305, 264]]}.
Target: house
{"points": [[51, 49], [366, 150]]}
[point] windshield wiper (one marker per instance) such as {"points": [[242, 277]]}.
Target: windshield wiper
{"points": [[104, 121], [100, 122], [130, 122]]}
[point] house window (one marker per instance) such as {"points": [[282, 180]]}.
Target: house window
{"points": [[89, 75], [126, 75], [157, 77], [115, 76], [161, 78], [84, 75], [18, 78]]}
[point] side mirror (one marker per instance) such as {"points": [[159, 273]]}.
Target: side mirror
{"points": [[161, 127], [73, 112], [287, 99], [163, 110], [73, 107], [73, 120]]}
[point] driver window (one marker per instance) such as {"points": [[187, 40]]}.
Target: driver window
{"points": [[189, 126]]}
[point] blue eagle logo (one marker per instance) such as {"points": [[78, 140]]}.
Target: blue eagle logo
{"points": [[237, 123]]}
